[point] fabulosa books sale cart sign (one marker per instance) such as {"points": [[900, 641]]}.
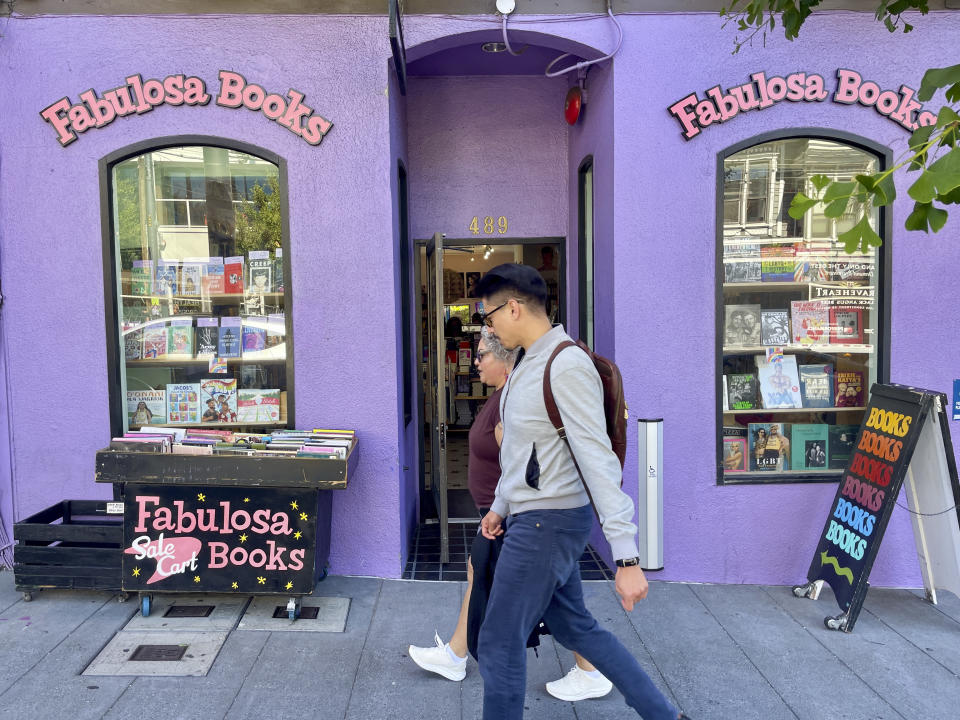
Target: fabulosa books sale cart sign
{"points": [[219, 539]]}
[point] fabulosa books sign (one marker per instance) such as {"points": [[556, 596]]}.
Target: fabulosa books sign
{"points": [[696, 113], [138, 96]]}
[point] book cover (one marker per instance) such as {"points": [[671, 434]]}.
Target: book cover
{"points": [[141, 277], [212, 280], [741, 324], [191, 277], [132, 343], [741, 261], [260, 273], [778, 262], [165, 281], [278, 270], [779, 382], [208, 336], [742, 391], [233, 275], [809, 322], [840, 440], [808, 442], [276, 329], [816, 385], [734, 449], [769, 447], [849, 388], [774, 327], [218, 398], [846, 325], [180, 338], [231, 335], [183, 403], [146, 406], [254, 334], [154, 342], [258, 406]]}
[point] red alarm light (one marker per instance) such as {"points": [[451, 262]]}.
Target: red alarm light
{"points": [[573, 105]]}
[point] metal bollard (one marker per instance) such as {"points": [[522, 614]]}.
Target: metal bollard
{"points": [[650, 495]]}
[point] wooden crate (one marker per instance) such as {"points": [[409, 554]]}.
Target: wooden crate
{"points": [[73, 544]]}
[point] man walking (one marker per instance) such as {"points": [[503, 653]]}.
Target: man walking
{"points": [[546, 509]]}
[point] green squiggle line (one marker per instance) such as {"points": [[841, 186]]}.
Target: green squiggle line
{"points": [[840, 571]]}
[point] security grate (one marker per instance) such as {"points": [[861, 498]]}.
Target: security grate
{"points": [[165, 653], [189, 611], [307, 612]]}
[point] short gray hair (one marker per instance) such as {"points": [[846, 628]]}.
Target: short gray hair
{"points": [[507, 357]]}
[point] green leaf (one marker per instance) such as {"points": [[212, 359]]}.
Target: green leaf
{"points": [[924, 189], [799, 206], [839, 189], [924, 215], [950, 198], [920, 136], [819, 181], [907, 27], [945, 116], [883, 192], [936, 78], [860, 237]]}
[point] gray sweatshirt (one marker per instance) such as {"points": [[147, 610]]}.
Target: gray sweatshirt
{"points": [[537, 472]]}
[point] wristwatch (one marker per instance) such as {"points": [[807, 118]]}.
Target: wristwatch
{"points": [[628, 562]]}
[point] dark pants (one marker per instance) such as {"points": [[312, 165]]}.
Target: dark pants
{"points": [[538, 575]]}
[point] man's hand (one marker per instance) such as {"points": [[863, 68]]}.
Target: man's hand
{"points": [[630, 584], [491, 526]]}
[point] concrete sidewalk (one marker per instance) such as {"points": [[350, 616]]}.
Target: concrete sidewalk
{"points": [[719, 651]]}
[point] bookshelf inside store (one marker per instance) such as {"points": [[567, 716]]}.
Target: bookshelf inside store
{"points": [[798, 320], [201, 299]]}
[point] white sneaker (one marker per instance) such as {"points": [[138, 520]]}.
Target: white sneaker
{"points": [[438, 659], [578, 685]]}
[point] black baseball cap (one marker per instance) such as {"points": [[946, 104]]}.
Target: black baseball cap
{"points": [[523, 280]]}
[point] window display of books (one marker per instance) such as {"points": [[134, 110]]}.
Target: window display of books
{"points": [[798, 318]]}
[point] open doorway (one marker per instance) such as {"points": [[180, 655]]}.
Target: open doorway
{"points": [[451, 393]]}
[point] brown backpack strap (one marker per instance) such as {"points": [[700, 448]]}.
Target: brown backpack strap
{"points": [[553, 412]]}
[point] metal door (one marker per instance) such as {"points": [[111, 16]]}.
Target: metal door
{"points": [[437, 374]]}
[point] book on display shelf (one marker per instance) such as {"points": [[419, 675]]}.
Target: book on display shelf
{"points": [[741, 261], [258, 405], [846, 325], [191, 276], [741, 325], [808, 442], [145, 407], [218, 400], [165, 280], [132, 343], [775, 327], [849, 388], [769, 447], [231, 336], [141, 277], [254, 334], [260, 272], [816, 385], [180, 338], [211, 283], [734, 449], [208, 336], [779, 382], [233, 275], [183, 402], [840, 440], [175, 434], [809, 322], [154, 342], [276, 329], [145, 444], [742, 391], [777, 262]]}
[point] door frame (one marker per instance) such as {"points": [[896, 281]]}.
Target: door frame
{"points": [[420, 244]]}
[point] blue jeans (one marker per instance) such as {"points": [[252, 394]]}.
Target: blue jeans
{"points": [[538, 575]]}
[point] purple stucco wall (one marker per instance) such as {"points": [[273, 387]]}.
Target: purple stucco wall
{"points": [[655, 220]]}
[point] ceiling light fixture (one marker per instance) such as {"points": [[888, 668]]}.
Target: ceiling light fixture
{"points": [[494, 47]]}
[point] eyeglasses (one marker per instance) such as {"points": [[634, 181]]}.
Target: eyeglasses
{"points": [[481, 354], [485, 317]]}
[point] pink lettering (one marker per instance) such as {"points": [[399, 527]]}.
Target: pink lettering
{"points": [[231, 84], [848, 84]]}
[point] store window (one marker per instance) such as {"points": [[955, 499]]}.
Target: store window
{"points": [[585, 204], [799, 320], [199, 319]]}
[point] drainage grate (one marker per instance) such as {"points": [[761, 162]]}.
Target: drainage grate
{"points": [[307, 612], [189, 611], [158, 652]]}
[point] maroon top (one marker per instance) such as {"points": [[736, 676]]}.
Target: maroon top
{"points": [[483, 473]]}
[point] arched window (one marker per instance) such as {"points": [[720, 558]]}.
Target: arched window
{"points": [[198, 287], [799, 321]]}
